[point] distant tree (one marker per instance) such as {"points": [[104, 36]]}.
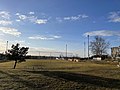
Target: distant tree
{"points": [[99, 46], [17, 53]]}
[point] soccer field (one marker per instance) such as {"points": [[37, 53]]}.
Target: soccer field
{"points": [[59, 75]]}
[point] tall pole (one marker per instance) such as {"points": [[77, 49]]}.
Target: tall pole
{"points": [[84, 50], [39, 54], [88, 46], [7, 46], [66, 51], [50, 55]]}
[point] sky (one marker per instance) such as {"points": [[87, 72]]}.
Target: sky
{"points": [[48, 25]]}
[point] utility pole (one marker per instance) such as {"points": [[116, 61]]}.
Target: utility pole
{"points": [[39, 54], [6, 46], [88, 47], [66, 51], [84, 50]]}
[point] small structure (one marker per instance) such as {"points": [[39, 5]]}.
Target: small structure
{"points": [[97, 57], [115, 52], [76, 60]]}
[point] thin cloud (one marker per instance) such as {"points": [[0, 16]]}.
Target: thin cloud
{"points": [[4, 15], [114, 16], [103, 33], [19, 41], [38, 37], [59, 19], [78, 17], [72, 18], [41, 38], [41, 21], [2, 45], [56, 36], [118, 39], [5, 22], [31, 13], [30, 18], [18, 20], [40, 51], [22, 17], [10, 31], [17, 14]]}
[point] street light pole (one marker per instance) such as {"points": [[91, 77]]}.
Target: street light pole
{"points": [[7, 46], [88, 47], [39, 54], [84, 50], [66, 51]]}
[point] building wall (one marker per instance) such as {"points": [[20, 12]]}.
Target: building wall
{"points": [[115, 52]]}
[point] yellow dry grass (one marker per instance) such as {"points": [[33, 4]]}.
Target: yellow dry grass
{"points": [[59, 75]]}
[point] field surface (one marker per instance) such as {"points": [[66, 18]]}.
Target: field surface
{"points": [[59, 75]]}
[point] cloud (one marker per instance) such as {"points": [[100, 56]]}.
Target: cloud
{"points": [[22, 17], [72, 18], [59, 19], [78, 17], [44, 51], [30, 18], [40, 49], [4, 15], [19, 41], [103, 33], [2, 45], [31, 13], [5, 22], [114, 16], [18, 20], [41, 21], [17, 14], [38, 37], [10, 31], [56, 36], [118, 39]]}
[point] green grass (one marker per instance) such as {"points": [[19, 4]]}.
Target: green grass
{"points": [[59, 75]]}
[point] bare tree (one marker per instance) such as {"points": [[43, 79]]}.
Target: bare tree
{"points": [[99, 46]]}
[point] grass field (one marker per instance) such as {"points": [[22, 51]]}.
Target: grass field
{"points": [[59, 75]]}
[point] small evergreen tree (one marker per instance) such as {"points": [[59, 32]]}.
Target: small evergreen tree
{"points": [[17, 53]]}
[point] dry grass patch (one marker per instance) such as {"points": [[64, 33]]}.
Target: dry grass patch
{"points": [[59, 75]]}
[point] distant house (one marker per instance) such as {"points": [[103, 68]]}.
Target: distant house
{"points": [[99, 57], [115, 52]]}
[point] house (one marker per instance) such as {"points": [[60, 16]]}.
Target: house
{"points": [[99, 57], [115, 52]]}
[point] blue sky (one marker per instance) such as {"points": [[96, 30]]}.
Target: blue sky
{"points": [[48, 25]]}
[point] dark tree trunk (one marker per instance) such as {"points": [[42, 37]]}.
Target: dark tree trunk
{"points": [[15, 64]]}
